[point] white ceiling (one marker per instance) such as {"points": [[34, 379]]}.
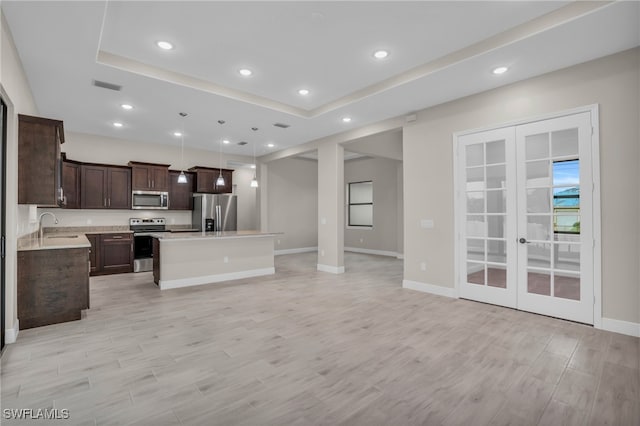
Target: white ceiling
{"points": [[438, 51]]}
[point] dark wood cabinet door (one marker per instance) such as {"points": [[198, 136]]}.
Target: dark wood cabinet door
{"points": [[39, 161], [180, 194], [116, 253], [94, 253], [140, 178], [160, 178], [93, 186], [205, 181], [119, 188], [70, 185]]}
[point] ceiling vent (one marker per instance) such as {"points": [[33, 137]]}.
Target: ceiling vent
{"points": [[282, 125], [242, 143], [106, 85]]}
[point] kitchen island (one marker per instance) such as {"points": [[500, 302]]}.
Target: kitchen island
{"points": [[195, 258]]}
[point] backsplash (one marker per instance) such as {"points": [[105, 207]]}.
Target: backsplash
{"points": [[85, 217]]}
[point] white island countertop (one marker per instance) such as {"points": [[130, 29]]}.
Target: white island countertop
{"points": [[198, 235]]}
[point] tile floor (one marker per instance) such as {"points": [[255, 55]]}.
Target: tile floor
{"points": [[303, 347]]}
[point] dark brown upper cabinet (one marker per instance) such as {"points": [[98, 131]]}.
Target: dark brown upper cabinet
{"points": [[149, 176], [181, 194], [39, 161], [105, 187], [70, 184], [206, 178]]}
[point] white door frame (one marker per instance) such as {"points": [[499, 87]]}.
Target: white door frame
{"points": [[595, 159]]}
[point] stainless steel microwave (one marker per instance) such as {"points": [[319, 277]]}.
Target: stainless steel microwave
{"points": [[149, 200]]}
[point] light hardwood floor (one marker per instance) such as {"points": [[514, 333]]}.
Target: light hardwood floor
{"points": [[303, 347]]}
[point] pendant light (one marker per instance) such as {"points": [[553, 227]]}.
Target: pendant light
{"points": [[254, 181], [182, 178], [220, 180]]}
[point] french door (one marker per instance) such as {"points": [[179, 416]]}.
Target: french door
{"points": [[525, 215]]}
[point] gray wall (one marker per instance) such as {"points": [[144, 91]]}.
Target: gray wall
{"points": [[613, 83], [292, 204], [386, 199]]}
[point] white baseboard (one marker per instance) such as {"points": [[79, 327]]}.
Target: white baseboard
{"points": [[11, 334], [369, 251], [295, 250], [210, 279], [331, 269], [622, 327], [429, 288]]}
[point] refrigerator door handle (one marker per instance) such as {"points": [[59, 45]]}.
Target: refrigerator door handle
{"points": [[218, 218]]}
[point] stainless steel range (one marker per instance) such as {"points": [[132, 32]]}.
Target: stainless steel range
{"points": [[143, 242]]}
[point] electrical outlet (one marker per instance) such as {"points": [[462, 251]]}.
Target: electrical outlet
{"points": [[321, 252], [278, 241], [226, 259], [423, 266], [362, 240]]}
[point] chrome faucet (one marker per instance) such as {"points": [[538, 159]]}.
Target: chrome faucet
{"points": [[40, 230]]}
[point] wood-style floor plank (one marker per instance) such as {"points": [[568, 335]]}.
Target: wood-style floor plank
{"points": [[304, 347]]}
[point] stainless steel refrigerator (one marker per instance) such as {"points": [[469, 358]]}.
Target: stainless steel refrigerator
{"points": [[221, 208]]}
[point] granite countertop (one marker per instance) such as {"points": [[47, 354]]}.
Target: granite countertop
{"points": [[184, 236], [52, 242], [66, 230]]}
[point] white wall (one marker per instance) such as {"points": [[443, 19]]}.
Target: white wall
{"points": [[100, 149], [292, 204], [16, 93], [386, 198], [613, 83]]}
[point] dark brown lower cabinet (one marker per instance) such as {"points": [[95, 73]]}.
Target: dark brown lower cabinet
{"points": [[53, 286], [111, 253], [156, 261]]}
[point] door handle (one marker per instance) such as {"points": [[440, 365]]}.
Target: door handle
{"points": [[523, 241]]}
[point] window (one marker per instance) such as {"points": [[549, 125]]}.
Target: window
{"points": [[360, 204], [566, 197]]}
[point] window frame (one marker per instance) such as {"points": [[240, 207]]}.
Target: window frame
{"points": [[349, 204]]}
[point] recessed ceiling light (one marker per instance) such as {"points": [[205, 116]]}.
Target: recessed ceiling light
{"points": [[245, 72], [225, 141], [270, 145], [380, 54], [303, 92], [126, 106], [117, 124], [346, 119], [500, 70], [253, 166], [165, 45], [178, 134]]}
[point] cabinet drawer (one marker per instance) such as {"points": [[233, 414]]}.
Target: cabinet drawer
{"points": [[110, 238]]}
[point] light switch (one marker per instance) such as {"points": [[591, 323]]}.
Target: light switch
{"points": [[426, 223], [323, 221]]}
